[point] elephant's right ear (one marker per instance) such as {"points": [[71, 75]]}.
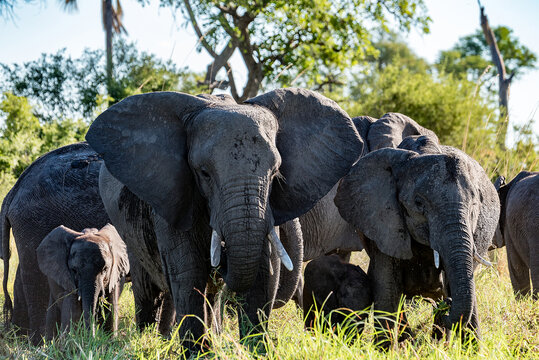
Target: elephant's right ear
{"points": [[367, 199], [142, 140], [52, 255], [392, 128]]}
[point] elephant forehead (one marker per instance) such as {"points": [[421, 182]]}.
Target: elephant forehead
{"points": [[236, 119], [84, 251]]}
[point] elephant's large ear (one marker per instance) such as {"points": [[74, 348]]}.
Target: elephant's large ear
{"points": [[367, 199], [120, 267], [318, 144], [392, 128], [52, 255], [363, 124], [143, 142]]}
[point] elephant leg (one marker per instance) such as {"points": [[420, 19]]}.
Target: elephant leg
{"points": [[167, 313], [518, 271], [111, 312], [36, 290], [53, 318], [386, 275], [148, 297], [256, 304], [71, 311], [186, 266], [20, 310]]}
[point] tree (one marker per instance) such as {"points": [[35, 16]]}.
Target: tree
{"points": [[111, 18], [283, 41], [497, 48], [62, 87], [471, 55]]}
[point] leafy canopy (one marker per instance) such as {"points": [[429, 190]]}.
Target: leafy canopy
{"points": [[471, 55], [62, 87], [283, 41]]}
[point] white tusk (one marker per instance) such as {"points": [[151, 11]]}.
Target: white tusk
{"points": [[215, 250], [78, 299], [270, 267], [436, 259], [285, 259], [479, 259]]}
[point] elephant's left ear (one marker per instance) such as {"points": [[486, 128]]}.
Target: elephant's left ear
{"points": [[367, 199], [120, 266], [52, 256], [318, 144]]}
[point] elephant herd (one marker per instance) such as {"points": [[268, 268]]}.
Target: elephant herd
{"points": [[202, 188]]}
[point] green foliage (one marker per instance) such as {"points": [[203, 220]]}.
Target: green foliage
{"points": [[23, 138], [509, 330], [308, 40], [471, 55], [447, 105], [60, 86]]}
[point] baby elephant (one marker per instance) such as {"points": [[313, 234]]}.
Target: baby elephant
{"points": [[81, 268], [332, 284], [518, 230]]}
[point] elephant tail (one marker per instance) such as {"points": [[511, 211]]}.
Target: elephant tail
{"points": [[6, 254]]}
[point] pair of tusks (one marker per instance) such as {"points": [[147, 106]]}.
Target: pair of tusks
{"points": [[476, 256], [215, 249]]}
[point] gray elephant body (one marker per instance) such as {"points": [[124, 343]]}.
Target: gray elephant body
{"points": [[215, 172], [409, 203], [518, 230], [59, 188], [324, 230], [331, 284], [90, 265]]}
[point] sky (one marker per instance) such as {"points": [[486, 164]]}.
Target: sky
{"points": [[44, 27]]}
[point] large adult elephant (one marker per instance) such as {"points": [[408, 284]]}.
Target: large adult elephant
{"points": [[219, 176], [518, 230], [422, 208], [59, 188]]}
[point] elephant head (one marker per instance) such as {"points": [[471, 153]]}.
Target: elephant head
{"points": [[392, 128], [92, 263], [250, 166], [396, 197]]}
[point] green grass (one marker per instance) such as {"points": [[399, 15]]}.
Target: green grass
{"points": [[509, 328]]}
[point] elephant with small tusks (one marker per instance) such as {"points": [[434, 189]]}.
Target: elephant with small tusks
{"points": [[518, 230], [204, 181], [83, 268], [421, 208]]}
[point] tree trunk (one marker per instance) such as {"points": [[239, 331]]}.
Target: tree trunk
{"points": [[107, 14], [503, 81]]}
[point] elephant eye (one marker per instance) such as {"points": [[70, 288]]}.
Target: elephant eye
{"points": [[419, 203], [205, 174]]}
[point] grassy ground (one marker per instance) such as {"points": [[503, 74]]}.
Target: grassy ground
{"points": [[510, 329]]}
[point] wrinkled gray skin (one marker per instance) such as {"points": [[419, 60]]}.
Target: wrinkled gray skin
{"points": [[332, 284], [59, 188], [83, 267], [324, 230], [430, 197], [518, 230], [206, 163]]}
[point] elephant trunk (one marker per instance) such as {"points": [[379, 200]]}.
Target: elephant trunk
{"points": [[244, 227], [457, 255], [89, 292]]}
